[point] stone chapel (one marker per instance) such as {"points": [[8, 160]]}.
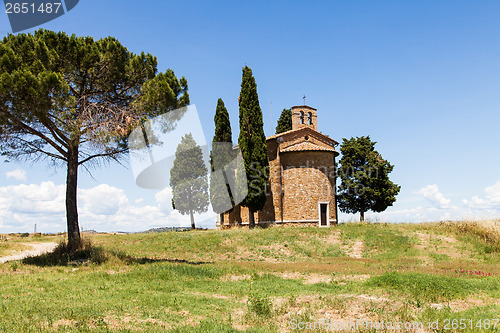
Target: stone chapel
{"points": [[301, 178]]}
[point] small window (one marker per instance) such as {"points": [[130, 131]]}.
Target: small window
{"points": [[309, 118], [301, 117], [306, 137]]}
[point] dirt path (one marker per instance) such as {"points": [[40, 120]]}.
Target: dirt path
{"points": [[356, 251], [37, 249]]}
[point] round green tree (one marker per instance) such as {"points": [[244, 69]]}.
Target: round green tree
{"points": [[364, 175]]}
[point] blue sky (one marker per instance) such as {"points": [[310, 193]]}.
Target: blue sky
{"points": [[422, 78]]}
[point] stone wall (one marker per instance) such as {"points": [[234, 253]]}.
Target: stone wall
{"points": [[296, 110], [298, 180], [308, 179]]}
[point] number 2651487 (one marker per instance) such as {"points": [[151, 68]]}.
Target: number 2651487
{"points": [[31, 8]]}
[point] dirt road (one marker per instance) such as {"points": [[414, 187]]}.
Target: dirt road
{"points": [[37, 249]]}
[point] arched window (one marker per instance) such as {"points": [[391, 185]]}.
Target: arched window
{"points": [[301, 117], [309, 118]]}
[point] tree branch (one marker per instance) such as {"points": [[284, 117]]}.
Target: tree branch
{"points": [[40, 135], [110, 154], [56, 133], [36, 149]]}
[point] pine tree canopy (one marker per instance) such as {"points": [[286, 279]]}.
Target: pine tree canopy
{"points": [[74, 100]]}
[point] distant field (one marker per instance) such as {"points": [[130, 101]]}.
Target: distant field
{"points": [[262, 280], [15, 243]]}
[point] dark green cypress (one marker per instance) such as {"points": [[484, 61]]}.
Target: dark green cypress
{"points": [[285, 121], [220, 156], [252, 143]]}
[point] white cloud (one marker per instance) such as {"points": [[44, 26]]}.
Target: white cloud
{"points": [[17, 174], [22, 206], [103, 208], [433, 195], [491, 202], [477, 203], [33, 199], [164, 200], [102, 199], [493, 194]]}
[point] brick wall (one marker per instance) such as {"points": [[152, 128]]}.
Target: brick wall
{"points": [[298, 180]]}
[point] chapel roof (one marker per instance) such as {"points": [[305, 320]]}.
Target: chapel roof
{"points": [[306, 146], [308, 129]]}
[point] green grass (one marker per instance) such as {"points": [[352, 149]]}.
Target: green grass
{"points": [[251, 280], [434, 288]]}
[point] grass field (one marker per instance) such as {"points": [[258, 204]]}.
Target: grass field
{"points": [[262, 280]]}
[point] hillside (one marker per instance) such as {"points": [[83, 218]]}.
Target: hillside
{"points": [[263, 280]]}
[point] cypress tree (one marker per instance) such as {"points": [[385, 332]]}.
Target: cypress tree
{"points": [[285, 121], [188, 179], [220, 156], [252, 143]]}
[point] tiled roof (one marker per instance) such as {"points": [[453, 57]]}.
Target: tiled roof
{"points": [[283, 133], [305, 146], [304, 129]]}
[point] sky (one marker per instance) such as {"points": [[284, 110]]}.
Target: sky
{"points": [[421, 78]]}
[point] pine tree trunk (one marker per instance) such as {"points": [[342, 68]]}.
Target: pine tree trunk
{"points": [[192, 220], [71, 200], [251, 218], [362, 216]]}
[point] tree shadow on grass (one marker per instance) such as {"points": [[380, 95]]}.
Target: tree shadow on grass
{"points": [[145, 260], [92, 254]]}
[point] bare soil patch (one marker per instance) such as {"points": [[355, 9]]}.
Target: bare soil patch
{"points": [[355, 250], [439, 244], [36, 250]]}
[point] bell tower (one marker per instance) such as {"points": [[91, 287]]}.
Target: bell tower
{"points": [[304, 116]]}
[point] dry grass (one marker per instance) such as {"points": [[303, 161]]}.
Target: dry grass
{"points": [[485, 230]]}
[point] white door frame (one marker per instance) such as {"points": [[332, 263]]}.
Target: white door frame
{"points": [[327, 213]]}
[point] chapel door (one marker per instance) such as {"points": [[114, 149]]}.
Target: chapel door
{"points": [[323, 220]]}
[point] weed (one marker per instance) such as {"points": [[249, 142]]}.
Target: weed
{"points": [[261, 306], [14, 265]]}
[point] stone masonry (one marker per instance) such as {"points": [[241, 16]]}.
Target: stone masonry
{"points": [[301, 178]]}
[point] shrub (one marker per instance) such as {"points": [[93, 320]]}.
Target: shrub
{"points": [[64, 255]]}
